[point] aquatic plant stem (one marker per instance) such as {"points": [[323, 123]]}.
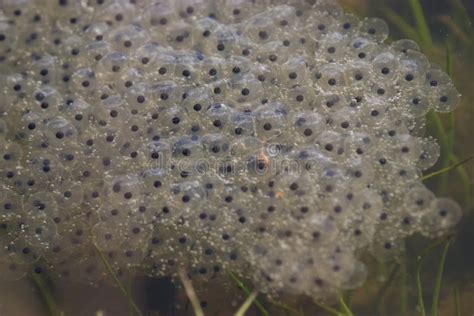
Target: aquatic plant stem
{"points": [[438, 279], [285, 307], [46, 295], [246, 305], [242, 286], [445, 170], [457, 308], [344, 308], [117, 281], [420, 20], [189, 289]]}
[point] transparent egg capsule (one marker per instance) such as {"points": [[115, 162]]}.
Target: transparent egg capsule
{"points": [[158, 15], [441, 217], [46, 100], [332, 77], [68, 195], [106, 237], [38, 231], [429, 153], [387, 248], [123, 190], [11, 205], [446, 99], [41, 204], [270, 121], [245, 89], [186, 195], [293, 72], [44, 69], [362, 48], [306, 126]]}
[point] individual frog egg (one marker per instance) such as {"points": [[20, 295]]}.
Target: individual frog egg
{"points": [[97, 31], [333, 46], [430, 152], [39, 231], [211, 69], [221, 42], [155, 154], [116, 12], [68, 195], [405, 45], [236, 11], [84, 80], [344, 121], [46, 100], [139, 97], [186, 195], [241, 124], [349, 24], [75, 232], [416, 101], [60, 132], [358, 73], [332, 77], [319, 25], [301, 98], [18, 251], [45, 168], [126, 38], [260, 28], [197, 101], [157, 16], [123, 190], [245, 89], [111, 66], [374, 114], [237, 66], [270, 121], [165, 94], [41, 204], [179, 35], [441, 217], [129, 255], [413, 67], [173, 120], [362, 48], [446, 98], [293, 72], [11, 204], [387, 246], [330, 103], [215, 145], [385, 66], [375, 29], [306, 126], [218, 116], [44, 69], [272, 54], [332, 143]]}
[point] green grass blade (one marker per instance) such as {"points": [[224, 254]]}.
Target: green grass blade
{"points": [[423, 29], [419, 290], [457, 305], [285, 307], [403, 286], [247, 291], [400, 23], [344, 308], [117, 282], [328, 309], [438, 279], [246, 305], [45, 293], [447, 169], [461, 14]]}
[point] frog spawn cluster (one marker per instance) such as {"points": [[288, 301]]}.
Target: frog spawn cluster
{"points": [[276, 139]]}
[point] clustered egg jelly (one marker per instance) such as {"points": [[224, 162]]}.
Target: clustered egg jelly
{"points": [[96, 94]]}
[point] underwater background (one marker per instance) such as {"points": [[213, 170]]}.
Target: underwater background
{"points": [[434, 277]]}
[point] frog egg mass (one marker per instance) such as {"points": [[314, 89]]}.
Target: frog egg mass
{"points": [[278, 139]]}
